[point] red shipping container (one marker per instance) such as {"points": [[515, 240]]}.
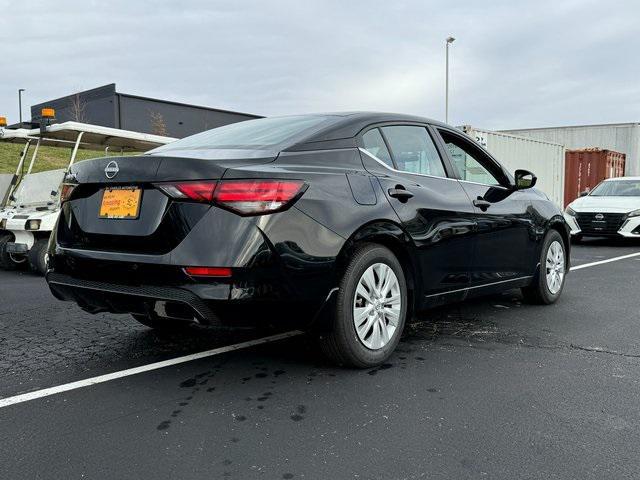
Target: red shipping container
{"points": [[587, 167]]}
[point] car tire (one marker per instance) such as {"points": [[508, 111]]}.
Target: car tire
{"points": [[349, 345], [162, 324], [6, 261], [545, 288], [38, 256]]}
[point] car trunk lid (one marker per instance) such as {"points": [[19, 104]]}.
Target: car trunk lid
{"points": [[156, 168], [161, 223]]}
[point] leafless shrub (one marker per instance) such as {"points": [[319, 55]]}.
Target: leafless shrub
{"points": [[158, 125], [78, 109]]}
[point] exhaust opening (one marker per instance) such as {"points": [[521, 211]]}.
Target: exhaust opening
{"points": [[175, 311]]}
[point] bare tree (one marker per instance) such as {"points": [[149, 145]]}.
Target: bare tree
{"points": [[78, 109], [158, 125], [205, 122]]}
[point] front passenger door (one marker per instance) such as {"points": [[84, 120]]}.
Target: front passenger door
{"points": [[505, 238]]}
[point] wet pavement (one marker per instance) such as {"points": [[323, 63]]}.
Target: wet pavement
{"points": [[491, 388]]}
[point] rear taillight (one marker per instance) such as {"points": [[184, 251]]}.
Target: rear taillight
{"points": [[201, 191], [254, 197], [245, 197], [67, 190]]}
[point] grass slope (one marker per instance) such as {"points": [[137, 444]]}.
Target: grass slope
{"points": [[49, 158]]}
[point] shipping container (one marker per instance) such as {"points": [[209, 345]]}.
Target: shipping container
{"points": [[587, 167], [618, 137], [544, 159]]}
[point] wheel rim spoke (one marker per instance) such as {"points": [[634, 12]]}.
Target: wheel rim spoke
{"points": [[362, 291], [388, 281], [368, 281], [360, 314], [394, 299], [375, 336], [392, 316], [384, 333], [365, 329]]}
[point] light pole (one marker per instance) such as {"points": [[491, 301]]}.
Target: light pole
{"points": [[450, 40], [20, 90]]}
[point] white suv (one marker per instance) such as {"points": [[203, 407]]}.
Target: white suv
{"points": [[611, 209]]}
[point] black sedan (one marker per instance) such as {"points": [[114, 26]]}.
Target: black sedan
{"points": [[344, 224]]}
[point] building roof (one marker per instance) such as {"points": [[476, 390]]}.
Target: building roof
{"points": [[171, 102], [622, 124], [110, 89]]}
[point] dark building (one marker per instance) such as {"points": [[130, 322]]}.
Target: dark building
{"points": [[104, 106]]}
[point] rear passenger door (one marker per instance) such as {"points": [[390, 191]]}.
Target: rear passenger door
{"points": [[432, 205], [506, 238]]}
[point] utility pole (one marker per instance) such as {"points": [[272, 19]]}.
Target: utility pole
{"points": [[20, 90], [450, 40]]}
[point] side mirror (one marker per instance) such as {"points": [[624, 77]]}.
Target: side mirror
{"points": [[524, 179], [585, 193]]}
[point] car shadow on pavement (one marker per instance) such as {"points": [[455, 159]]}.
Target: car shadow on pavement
{"points": [[469, 321], [257, 375]]}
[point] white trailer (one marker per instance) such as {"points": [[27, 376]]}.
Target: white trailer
{"points": [[545, 159], [33, 206], [619, 137]]}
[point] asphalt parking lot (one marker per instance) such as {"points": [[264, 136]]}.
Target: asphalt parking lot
{"points": [[491, 388]]}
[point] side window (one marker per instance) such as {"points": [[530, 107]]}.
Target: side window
{"points": [[467, 161], [413, 150], [374, 144]]}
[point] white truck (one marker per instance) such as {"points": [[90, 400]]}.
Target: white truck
{"points": [[33, 202]]}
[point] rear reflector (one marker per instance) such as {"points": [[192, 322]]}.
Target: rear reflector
{"points": [[208, 271], [254, 197]]}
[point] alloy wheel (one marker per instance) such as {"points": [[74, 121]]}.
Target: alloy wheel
{"points": [[376, 306], [555, 267]]}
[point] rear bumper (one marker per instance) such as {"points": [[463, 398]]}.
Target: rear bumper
{"points": [[97, 297], [217, 304]]}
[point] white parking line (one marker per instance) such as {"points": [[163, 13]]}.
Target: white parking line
{"points": [[608, 260], [25, 397]]}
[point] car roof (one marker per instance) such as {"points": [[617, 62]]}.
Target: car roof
{"points": [[620, 178], [349, 124]]}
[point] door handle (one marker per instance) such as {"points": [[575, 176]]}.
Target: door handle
{"points": [[400, 193], [481, 203]]}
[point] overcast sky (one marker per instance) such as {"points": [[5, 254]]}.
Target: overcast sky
{"points": [[513, 64]]}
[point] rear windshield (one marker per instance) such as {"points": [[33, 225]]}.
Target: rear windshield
{"points": [[617, 188], [260, 134]]}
